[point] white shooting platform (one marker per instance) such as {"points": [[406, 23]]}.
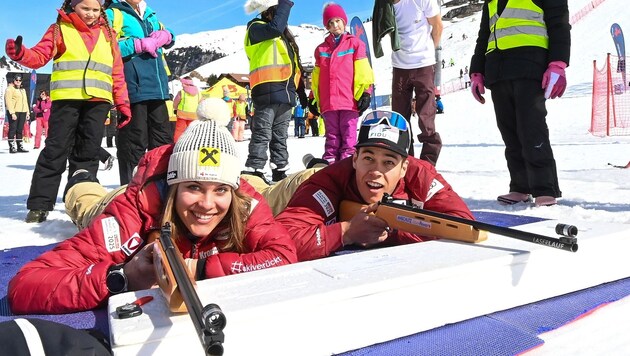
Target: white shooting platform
{"points": [[355, 300]]}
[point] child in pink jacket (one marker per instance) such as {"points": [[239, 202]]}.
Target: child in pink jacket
{"points": [[42, 112], [341, 83]]}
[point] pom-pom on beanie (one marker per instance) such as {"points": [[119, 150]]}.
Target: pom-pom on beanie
{"points": [[258, 6], [206, 151]]}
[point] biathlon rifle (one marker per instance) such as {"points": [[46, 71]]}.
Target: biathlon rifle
{"points": [[178, 288], [430, 223]]}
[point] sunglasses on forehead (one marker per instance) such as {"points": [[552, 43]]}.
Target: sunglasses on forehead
{"points": [[391, 118]]}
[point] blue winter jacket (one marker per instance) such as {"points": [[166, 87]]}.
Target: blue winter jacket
{"points": [[145, 75]]}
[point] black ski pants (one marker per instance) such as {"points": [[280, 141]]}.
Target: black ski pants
{"points": [[16, 127], [149, 128], [75, 129], [520, 109]]}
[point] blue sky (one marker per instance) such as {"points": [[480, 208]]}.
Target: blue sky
{"points": [[31, 19]]}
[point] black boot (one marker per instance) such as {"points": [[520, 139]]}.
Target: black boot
{"points": [[12, 146], [20, 147], [36, 216]]}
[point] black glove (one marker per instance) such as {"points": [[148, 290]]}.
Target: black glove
{"points": [[363, 103]]}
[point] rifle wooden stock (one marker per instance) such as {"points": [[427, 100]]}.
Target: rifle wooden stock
{"points": [[431, 223], [417, 223], [164, 262]]}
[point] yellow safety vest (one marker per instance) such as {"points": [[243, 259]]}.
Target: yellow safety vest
{"points": [[520, 24], [241, 109], [187, 107], [79, 74], [269, 61]]}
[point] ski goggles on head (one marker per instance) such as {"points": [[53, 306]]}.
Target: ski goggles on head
{"points": [[391, 118], [385, 129]]}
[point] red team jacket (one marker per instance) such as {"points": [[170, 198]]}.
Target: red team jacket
{"points": [[71, 277], [312, 214]]}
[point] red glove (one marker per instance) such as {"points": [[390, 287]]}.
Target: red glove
{"points": [[147, 44], [477, 88], [554, 80], [14, 48], [125, 115], [162, 37]]}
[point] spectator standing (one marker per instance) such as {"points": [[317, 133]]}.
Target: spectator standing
{"points": [[87, 78], [313, 116], [41, 108], [240, 117], [341, 83], [299, 119], [275, 78], [186, 102], [18, 112], [141, 38], [523, 66], [419, 25], [439, 105]]}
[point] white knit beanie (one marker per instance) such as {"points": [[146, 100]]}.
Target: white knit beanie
{"points": [[258, 6], [206, 151]]}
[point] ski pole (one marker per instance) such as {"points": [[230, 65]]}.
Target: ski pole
{"points": [[563, 243]]}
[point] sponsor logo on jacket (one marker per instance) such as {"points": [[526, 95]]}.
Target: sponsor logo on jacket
{"points": [[325, 202], [239, 267], [111, 234]]}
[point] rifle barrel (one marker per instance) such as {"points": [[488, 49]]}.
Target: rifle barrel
{"points": [[189, 295], [567, 244]]}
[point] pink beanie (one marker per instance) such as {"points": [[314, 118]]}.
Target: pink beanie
{"points": [[331, 11]]}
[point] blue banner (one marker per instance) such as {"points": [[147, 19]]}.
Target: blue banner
{"points": [[33, 87], [617, 35], [357, 29]]}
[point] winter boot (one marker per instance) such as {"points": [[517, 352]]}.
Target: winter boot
{"points": [[278, 173], [257, 173], [36, 216], [20, 147], [309, 161], [80, 175], [545, 200], [12, 146], [513, 198]]}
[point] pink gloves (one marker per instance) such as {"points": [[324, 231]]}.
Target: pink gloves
{"points": [[477, 88], [554, 80], [147, 44], [162, 37], [125, 115], [14, 48]]}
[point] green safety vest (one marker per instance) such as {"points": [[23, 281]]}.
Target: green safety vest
{"points": [[269, 61], [81, 75], [187, 106], [520, 24]]}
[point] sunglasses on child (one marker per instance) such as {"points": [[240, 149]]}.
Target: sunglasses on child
{"points": [[390, 118]]}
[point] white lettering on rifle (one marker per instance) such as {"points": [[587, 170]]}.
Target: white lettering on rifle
{"points": [[413, 221], [548, 243]]}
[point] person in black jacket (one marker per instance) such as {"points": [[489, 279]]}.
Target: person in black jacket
{"points": [[275, 85], [521, 57]]}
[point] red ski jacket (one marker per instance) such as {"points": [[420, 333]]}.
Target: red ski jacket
{"points": [[71, 277], [312, 215]]}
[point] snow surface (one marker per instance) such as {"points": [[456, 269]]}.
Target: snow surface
{"points": [[472, 157]]}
